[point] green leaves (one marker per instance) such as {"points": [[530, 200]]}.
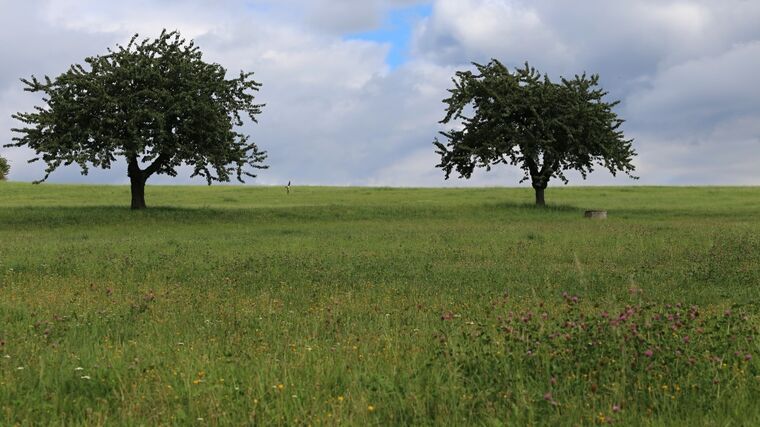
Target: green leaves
{"points": [[5, 169], [522, 118], [151, 101]]}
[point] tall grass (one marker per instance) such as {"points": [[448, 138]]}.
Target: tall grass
{"points": [[240, 305]]}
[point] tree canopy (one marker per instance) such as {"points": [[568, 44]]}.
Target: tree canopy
{"points": [[524, 119], [155, 103], [5, 168]]}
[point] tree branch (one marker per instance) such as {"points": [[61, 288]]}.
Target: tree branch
{"points": [[156, 165]]}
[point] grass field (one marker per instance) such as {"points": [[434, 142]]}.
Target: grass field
{"points": [[356, 306]]}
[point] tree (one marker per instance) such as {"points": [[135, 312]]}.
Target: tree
{"points": [[5, 169], [155, 103], [524, 119]]}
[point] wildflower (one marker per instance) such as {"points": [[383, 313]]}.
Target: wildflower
{"points": [[649, 353], [79, 368], [615, 408], [747, 357], [280, 386], [550, 399], [86, 377], [340, 398], [371, 408], [686, 339]]}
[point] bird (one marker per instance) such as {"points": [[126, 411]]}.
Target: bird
{"points": [[288, 188]]}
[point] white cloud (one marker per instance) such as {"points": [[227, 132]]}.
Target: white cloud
{"points": [[460, 31], [701, 92], [339, 16], [337, 114]]}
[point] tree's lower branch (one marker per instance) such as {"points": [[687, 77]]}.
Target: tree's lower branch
{"points": [[134, 170], [156, 165]]}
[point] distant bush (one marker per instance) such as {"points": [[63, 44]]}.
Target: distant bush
{"points": [[5, 169]]}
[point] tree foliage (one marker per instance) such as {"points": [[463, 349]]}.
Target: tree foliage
{"points": [[524, 119], [155, 103], [5, 168]]}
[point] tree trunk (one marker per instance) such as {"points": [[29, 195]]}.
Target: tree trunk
{"points": [[540, 178], [137, 178], [138, 192], [540, 196]]}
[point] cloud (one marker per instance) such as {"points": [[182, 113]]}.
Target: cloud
{"points": [[338, 16], [337, 113], [701, 92], [685, 71], [461, 31]]}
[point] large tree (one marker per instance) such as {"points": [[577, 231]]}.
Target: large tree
{"points": [[522, 118], [155, 103]]}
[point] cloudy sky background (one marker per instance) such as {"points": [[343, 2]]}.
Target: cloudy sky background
{"points": [[354, 87]]}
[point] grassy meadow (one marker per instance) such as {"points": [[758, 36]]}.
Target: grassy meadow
{"points": [[359, 306]]}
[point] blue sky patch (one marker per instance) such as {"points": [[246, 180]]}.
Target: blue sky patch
{"points": [[396, 30]]}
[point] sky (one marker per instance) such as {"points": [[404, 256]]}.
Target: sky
{"points": [[353, 88]]}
